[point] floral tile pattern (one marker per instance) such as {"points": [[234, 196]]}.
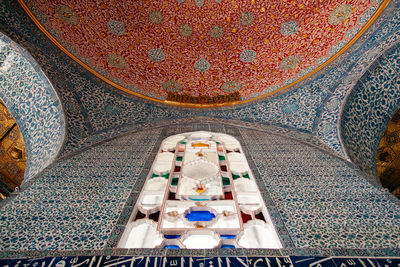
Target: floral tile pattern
{"points": [[375, 99], [81, 203], [327, 204], [75, 204], [382, 35], [94, 109], [96, 112], [33, 103]]}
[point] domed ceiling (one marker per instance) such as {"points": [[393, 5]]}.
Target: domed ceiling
{"points": [[202, 52]]}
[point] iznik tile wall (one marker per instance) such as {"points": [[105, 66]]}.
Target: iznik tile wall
{"points": [[324, 201], [368, 109], [381, 36], [95, 111], [76, 204], [315, 199], [33, 103]]}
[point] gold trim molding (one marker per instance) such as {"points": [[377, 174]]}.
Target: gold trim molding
{"points": [[192, 105]]}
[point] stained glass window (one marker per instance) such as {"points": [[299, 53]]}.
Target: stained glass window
{"points": [[200, 193]]}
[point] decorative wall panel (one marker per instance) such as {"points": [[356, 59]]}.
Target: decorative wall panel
{"points": [[76, 203], [368, 109], [33, 103], [388, 158], [315, 199]]}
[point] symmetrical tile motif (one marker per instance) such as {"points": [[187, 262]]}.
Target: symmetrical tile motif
{"points": [[76, 203], [34, 104], [324, 202], [96, 112], [368, 109], [315, 199], [263, 46]]}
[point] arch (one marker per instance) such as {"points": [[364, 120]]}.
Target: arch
{"points": [[34, 104], [200, 193], [368, 108]]}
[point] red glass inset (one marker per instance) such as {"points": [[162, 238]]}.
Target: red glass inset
{"points": [[245, 217], [228, 195]]}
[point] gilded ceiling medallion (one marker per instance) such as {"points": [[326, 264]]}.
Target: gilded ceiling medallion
{"points": [[185, 30], [116, 27], [116, 61], [340, 14], [156, 55], [66, 14], [202, 65], [246, 18]]}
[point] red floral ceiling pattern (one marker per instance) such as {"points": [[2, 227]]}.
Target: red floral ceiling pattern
{"points": [[201, 51]]}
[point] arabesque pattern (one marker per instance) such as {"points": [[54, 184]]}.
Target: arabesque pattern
{"points": [[201, 45]]}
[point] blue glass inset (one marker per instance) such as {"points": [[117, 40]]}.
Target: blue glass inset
{"points": [[228, 236], [227, 246], [171, 236], [200, 215], [172, 247], [199, 198]]}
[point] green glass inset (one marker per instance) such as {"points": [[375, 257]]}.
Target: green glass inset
{"points": [[179, 158], [154, 175], [165, 175], [246, 175], [174, 181], [226, 181], [235, 176], [183, 142], [221, 157]]}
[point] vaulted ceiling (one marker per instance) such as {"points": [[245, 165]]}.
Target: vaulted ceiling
{"points": [[95, 110], [202, 52]]}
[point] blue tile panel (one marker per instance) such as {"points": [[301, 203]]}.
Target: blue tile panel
{"points": [[33, 103], [96, 111], [315, 199], [76, 203], [368, 109], [381, 36], [324, 201]]}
